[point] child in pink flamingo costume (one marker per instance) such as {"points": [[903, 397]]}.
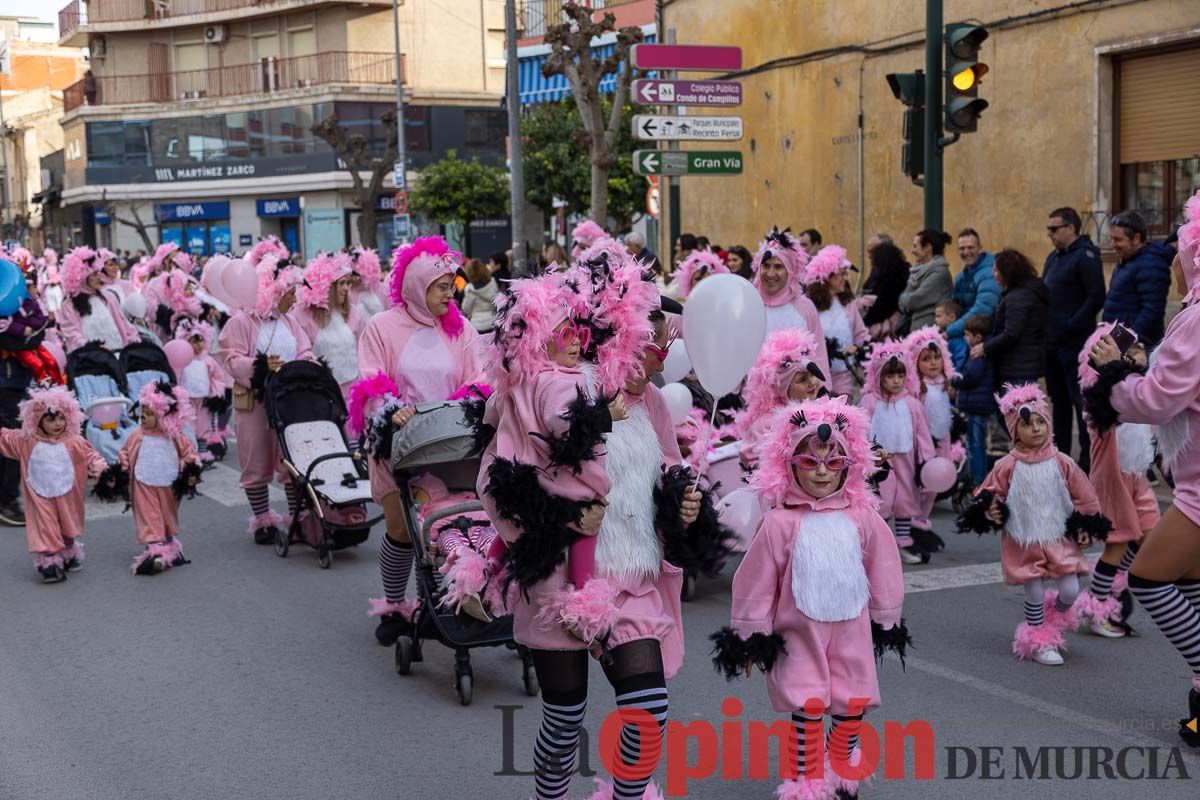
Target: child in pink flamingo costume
{"points": [[929, 355], [785, 371], [208, 386]]}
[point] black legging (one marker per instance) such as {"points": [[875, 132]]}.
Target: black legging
{"points": [[635, 671]]}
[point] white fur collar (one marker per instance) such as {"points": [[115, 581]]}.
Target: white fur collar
{"points": [[1038, 503], [336, 344], [157, 461], [892, 426], [829, 582], [1135, 448], [275, 338], [99, 324], [629, 548], [50, 472], [195, 379], [937, 411]]}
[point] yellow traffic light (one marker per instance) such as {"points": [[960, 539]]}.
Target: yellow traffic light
{"points": [[967, 79]]}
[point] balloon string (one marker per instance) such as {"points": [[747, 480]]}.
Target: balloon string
{"points": [[712, 421]]}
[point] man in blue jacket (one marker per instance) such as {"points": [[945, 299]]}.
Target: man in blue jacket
{"points": [[1137, 295], [975, 288], [1074, 277]]}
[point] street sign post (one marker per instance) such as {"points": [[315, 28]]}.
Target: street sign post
{"points": [[687, 93], [398, 176], [687, 129], [687, 57], [687, 162], [401, 227]]}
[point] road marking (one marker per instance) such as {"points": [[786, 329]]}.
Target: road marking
{"points": [[221, 484], [931, 580]]}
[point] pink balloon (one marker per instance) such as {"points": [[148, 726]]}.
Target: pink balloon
{"points": [[210, 279], [179, 353], [55, 349], [938, 475], [239, 281]]}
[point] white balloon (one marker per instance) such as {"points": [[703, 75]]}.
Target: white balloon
{"points": [[677, 365], [679, 402], [134, 305], [724, 324], [740, 511]]}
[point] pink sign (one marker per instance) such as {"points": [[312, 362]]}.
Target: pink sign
{"points": [[691, 57]]}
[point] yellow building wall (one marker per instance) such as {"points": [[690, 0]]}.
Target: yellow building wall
{"points": [[1035, 148]]}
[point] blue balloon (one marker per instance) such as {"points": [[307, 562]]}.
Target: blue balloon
{"points": [[12, 288]]}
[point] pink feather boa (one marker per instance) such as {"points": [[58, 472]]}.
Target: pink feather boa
{"points": [[466, 574], [405, 608], [589, 612], [1033, 639], [363, 392], [829, 261], [167, 551], [604, 791]]}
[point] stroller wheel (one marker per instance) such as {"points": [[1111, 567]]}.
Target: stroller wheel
{"points": [[404, 655], [325, 556], [689, 587], [464, 685], [283, 541], [529, 676]]}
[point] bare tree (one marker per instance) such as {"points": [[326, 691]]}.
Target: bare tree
{"points": [[132, 220], [571, 56], [355, 152]]}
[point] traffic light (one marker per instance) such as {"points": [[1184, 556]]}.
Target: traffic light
{"points": [[963, 68], [909, 88]]}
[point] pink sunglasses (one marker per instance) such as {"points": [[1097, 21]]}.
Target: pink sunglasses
{"points": [[573, 333], [660, 352], [833, 462]]}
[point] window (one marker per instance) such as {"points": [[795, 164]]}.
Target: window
{"points": [[1159, 189], [302, 42], [264, 46], [416, 129], [362, 119], [484, 130], [190, 56], [116, 144]]}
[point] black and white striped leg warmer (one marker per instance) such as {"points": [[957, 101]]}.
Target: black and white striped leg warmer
{"points": [[260, 500], [1102, 580], [1035, 593], [1177, 618], [903, 528], [395, 565], [1191, 590], [811, 727], [201, 445], [1127, 559], [289, 489], [843, 735], [641, 745], [557, 748]]}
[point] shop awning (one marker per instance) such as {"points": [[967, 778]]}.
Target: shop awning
{"points": [[538, 89]]}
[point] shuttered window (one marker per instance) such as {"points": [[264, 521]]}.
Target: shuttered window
{"points": [[1159, 116]]}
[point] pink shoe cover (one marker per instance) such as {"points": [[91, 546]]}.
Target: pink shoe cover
{"points": [[1033, 639], [260, 521], [1092, 609], [1063, 620], [806, 789], [405, 608]]}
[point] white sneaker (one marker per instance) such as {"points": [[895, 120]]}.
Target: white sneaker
{"points": [[1050, 657], [472, 606], [909, 558], [1107, 629]]}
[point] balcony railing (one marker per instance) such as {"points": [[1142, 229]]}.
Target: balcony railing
{"points": [[132, 10], [539, 15], [69, 18], [262, 77]]}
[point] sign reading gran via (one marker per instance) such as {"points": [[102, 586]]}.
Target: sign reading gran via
{"points": [[687, 162]]}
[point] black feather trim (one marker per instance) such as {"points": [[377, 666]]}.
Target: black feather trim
{"points": [[833, 349], [702, 547], [542, 517], [473, 413], [162, 317], [112, 485], [763, 649], [958, 426], [182, 486], [218, 450], [587, 422], [258, 377], [381, 430], [896, 639], [729, 653], [974, 518], [1096, 526], [881, 474], [220, 404], [1097, 398]]}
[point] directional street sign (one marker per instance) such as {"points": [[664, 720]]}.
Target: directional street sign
{"points": [[687, 162], [687, 93], [681, 129], [688, 57]]}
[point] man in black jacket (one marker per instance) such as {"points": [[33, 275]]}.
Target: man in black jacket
{"points": [[1074, 277]]}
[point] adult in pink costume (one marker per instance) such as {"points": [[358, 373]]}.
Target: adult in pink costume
{"points": [[928, 342], [898, 426], [420, 350], [208, 385], [1046, 504], [825, 281], [324, 310], [819, 588], [785, 371], [54, 474], [1165, 576], [112, 276], [162, 465], [696, 267], [778, 266], [367, 292], [90, 313], [151, 277], [255, 342]]}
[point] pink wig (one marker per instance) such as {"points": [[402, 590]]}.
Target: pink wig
{"points": [[699, 263], [1189, 247], [77, 266], [139, 274], [319, 276], [275, 278], [526, 316], [362, 392], [884, 353], [187, 328], [46, 399], [365, 263], [105, 255], [268, 245], [170, 404], [930, 337], [831, 420], [431, 257], [785, 247], [174, 288], [1018, 399], [621, 308], [1087, 373], [170, 250], [783, 354], [584, 235], [829, 261], [50, 256]]}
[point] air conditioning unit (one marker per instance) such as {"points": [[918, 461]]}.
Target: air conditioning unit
{"points": [[216, 34], [98, 47]]}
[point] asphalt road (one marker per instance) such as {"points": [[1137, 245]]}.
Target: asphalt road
{"points": [[247, 676]]}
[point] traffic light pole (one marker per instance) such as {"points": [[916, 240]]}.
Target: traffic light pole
{"points": [[933, 114]]}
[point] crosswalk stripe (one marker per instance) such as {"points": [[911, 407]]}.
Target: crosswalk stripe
{"points": [[932, 580]]}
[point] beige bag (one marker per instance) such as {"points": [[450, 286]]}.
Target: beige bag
{"points": [[243, 398]]}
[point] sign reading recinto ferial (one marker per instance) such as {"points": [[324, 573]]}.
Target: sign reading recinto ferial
{"points": [[681, 129]]}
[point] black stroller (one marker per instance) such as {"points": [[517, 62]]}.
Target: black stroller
{"points": [[304, 407], [438, 441], [96, 377], [142, 363]]}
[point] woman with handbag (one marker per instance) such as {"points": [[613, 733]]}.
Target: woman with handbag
{"points": [[329, 317], [253, 344]]}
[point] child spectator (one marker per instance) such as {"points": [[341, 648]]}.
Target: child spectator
{"points": [[945, 315], [975, 385]]}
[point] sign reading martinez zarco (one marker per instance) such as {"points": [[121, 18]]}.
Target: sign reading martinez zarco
{"points": [[272, 166]]}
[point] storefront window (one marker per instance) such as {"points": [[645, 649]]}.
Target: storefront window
{"points": [[1187, 181], [116, 144], [1159, 189]]}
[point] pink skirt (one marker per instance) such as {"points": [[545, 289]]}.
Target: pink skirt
{"points": [[1047, 561], [898, 494], [1145, 506]]}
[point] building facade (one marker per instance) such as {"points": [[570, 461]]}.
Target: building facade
{"points": [[196, 115], [1088, 108]]}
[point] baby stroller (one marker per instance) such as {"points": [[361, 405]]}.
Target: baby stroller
{"points": [[95, 375], [438, 441], [142, 363], [304, 407]]}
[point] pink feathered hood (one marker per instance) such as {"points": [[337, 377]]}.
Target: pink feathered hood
{"points": [[365, 263], [414, 268], [50, 257], [1018, 401], [926, 337], [1087, 373], [1189, 247], [882, 354], [787, 248], [829, 261], [783, 354], [187, 328], [267, 246], [169, 403], [319, 276], [80, 263], [584, 235], [174, 288], [171, 251], [52, 398], [526, 316], [275, 278], [830, 420], [699, 263]]}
